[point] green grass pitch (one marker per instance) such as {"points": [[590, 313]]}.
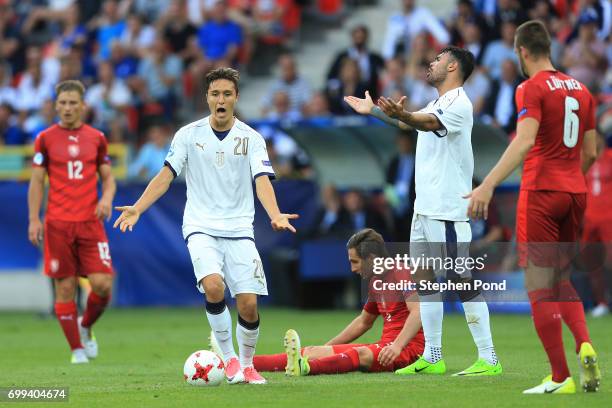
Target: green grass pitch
{"points": [[142, 352]]}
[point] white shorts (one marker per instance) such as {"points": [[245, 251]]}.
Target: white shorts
{"points": [[236, 260], [438, 239]]}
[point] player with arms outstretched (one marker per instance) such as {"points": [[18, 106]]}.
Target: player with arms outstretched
{"points": [[443, 175], [400, 344], [73, 154], [556, 138], [221, 157]]}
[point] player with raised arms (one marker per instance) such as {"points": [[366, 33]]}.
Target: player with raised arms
{"points": [[444, 168], [556, 139], [73, 154], [221, 157]]}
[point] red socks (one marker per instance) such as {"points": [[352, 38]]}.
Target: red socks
{"points": [[336, 364], [270, 362], [66, 314], [95, 308], [547, 320], [572, 312]]}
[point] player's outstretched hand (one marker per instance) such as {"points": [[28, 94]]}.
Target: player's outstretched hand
{"points": [[388, 354], [35, 232], [390, 107], [104, 210], [281, 223], [480, 198], [362, 106], [128, 218]]}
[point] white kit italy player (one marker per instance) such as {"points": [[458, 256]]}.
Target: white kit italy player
{"points": [[221, 157], [444, 167]]}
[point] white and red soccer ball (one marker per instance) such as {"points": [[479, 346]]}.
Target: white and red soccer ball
{"points": [[204, 368]]}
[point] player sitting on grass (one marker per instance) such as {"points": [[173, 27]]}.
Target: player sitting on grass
{"points": [[402, 339]]}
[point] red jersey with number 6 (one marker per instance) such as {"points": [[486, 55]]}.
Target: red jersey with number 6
{"points": [[72, 158], [565, 109]]}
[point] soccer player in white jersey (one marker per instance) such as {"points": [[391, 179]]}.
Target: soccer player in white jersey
{"points": [[440, 227], [221, 156]]}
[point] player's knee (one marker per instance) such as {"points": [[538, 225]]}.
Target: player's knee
{"points": [[65, 291], [247, 308], [366, 357], [103, 287], [213, 287]]}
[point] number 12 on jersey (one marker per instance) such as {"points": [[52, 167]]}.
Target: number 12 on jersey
{"points": [[571, 122], [75, 170]]}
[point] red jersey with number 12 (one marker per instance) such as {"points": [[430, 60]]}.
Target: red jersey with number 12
{"points": [[72, 158], [565, 109]]}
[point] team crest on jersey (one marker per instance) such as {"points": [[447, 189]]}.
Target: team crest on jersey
{"points": [[54, 264], [220, 159], [73, 150]]}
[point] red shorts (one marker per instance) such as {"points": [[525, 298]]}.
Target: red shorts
{"points": [[409, 354], [76, 249], [547, 226]]}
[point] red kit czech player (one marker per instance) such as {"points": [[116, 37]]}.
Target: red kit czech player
{"points": [[556, 138], [402, 339], [73, 154]]}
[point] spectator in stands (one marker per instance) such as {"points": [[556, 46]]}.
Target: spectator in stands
{"points": [[124, 65], [107, 99], [348, 83], [137, 37], [159, 74], [296, 87], [152, 154], [40, 120], [71, 67], [11, 48], [403, 27], [317, 107], [74, 32], [8, 95], [487, 232], [506, 10], [396, 81], [371, 64], [473, 40], [500, 50], [178, 31], [281, 108], [34, 88], [501, 107], [151, 10], [464, 13], [477, 87], [360, 215], [110, 25], [219, 39], [332, 219], [585, 57], [422, 92], [10, 131], [399, 191], [422, 52]]}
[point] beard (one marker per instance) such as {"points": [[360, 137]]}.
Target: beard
{"points": [[434, 80], [522, 67]]}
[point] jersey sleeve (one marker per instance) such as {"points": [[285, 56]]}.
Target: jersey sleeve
{"points": [[259, 160], [177, 155], [452, 118], [528, 102], [590, 121], [371, 307], [40, 152], [102, 157]]}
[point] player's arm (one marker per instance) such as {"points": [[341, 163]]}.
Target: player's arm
{"points": [[265, 194], [35, 197], [526, 132], [355, 329], [589, 150], [156, 188], [410, 329], [109, 187], [366, 106], [427, 122]]}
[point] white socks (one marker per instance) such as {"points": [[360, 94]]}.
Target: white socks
{"points": [[477, 317], [221, 324], [247, 340], [432, 313]]}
